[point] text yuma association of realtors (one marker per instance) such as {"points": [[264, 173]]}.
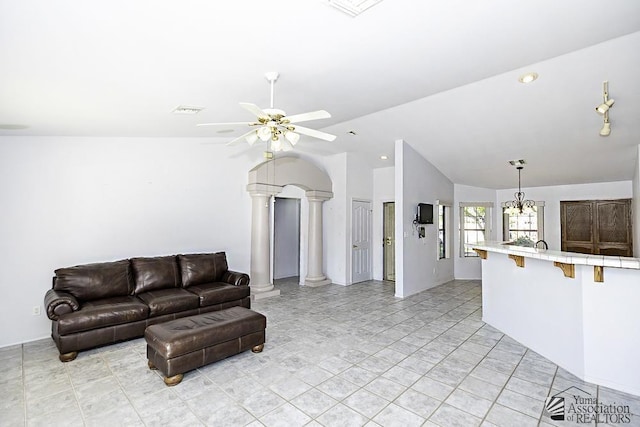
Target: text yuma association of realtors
{"points": [[588, 409]]}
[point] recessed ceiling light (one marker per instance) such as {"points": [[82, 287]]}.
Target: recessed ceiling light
{"points": [[187, 109], [528, 78], [384, 157]]}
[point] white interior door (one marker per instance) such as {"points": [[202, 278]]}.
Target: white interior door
{"points": [[361, 230]]}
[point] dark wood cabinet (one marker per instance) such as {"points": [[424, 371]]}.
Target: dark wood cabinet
{"points": [[597, 227]]}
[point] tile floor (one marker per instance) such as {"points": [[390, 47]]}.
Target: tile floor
{"points": [[335, 356]]}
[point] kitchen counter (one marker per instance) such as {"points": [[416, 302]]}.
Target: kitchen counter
{"points": [[579, 311]]}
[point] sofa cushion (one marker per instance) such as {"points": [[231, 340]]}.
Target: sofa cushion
{"points": [[197, 269], [95, 281], [218, 293], [168, 301], [155, 273], [102, 313]]}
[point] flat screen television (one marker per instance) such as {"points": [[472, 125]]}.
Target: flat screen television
{"points": [[425, 213]]}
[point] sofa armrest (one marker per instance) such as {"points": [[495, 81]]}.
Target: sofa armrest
{"points": [[58, 303], [235, 278]]}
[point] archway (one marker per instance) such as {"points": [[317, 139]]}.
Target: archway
{"points": [[265, 181]]}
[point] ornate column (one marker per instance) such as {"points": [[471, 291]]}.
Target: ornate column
{"points": [[315, 277], [260, 274]]}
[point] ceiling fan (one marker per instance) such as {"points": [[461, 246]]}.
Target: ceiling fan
{"points": [[274, 126]]}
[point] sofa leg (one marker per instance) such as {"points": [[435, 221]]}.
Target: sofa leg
{"points": [[68, 357], [258, 348], [151, 365], [171, 381]]}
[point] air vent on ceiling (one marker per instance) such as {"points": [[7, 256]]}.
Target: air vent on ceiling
{"points": [[187, 109], [353, 7], [13, 127]]}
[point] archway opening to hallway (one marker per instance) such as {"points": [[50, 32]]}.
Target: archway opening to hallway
{"points": [[267, 180]]}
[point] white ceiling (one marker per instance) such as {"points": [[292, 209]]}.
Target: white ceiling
{"points": [[440, 75]]}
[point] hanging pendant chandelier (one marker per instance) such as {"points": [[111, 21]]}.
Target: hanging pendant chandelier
{"points": [[520, 204]]}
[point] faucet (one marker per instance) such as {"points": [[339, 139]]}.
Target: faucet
{"points": [[545, 244]]}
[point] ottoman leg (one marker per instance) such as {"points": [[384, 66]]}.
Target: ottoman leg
{"points": [[68, 357], [171, 381], [258, 348], [151, 365]]}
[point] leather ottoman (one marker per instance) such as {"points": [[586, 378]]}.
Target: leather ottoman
{"points": [[188, 343]]}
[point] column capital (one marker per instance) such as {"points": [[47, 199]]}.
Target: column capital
{"points": [[263, 189], [318, 196]]}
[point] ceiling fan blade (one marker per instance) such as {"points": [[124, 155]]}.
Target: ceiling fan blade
{"points": [[241, 137], [257, 111], [313, 115], [227, 125], [314, 133]]}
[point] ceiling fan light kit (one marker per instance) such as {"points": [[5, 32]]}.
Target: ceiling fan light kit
{"points": [[279, 131], [603, 109], [252, 138], [292, 137], [264, 133]]}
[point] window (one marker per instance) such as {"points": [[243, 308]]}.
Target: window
{"points": [[442, 232], [526, 228], [475, 219]]}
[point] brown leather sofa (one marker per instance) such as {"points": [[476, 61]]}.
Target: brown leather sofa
{"points": [[96, 304]]}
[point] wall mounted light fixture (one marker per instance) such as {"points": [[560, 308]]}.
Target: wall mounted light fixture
{"points": [[603, 109]]}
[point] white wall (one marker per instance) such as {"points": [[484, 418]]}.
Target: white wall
{"points": [[383, 191], [352, 180], [470, 268], [359, 187], [69, 201], [417, 264], [334, 220], [552, 197]]}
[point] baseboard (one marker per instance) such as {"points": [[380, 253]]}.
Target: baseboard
{"points": [[25, 342]]}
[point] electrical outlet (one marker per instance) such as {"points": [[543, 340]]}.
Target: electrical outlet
{"points": [[35, 310]]}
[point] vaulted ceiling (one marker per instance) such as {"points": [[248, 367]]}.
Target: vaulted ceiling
{"points": [[443, 76]]}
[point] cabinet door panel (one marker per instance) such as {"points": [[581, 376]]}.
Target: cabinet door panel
{"points": [[597, 227], [613, 218], [578, 219]]}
